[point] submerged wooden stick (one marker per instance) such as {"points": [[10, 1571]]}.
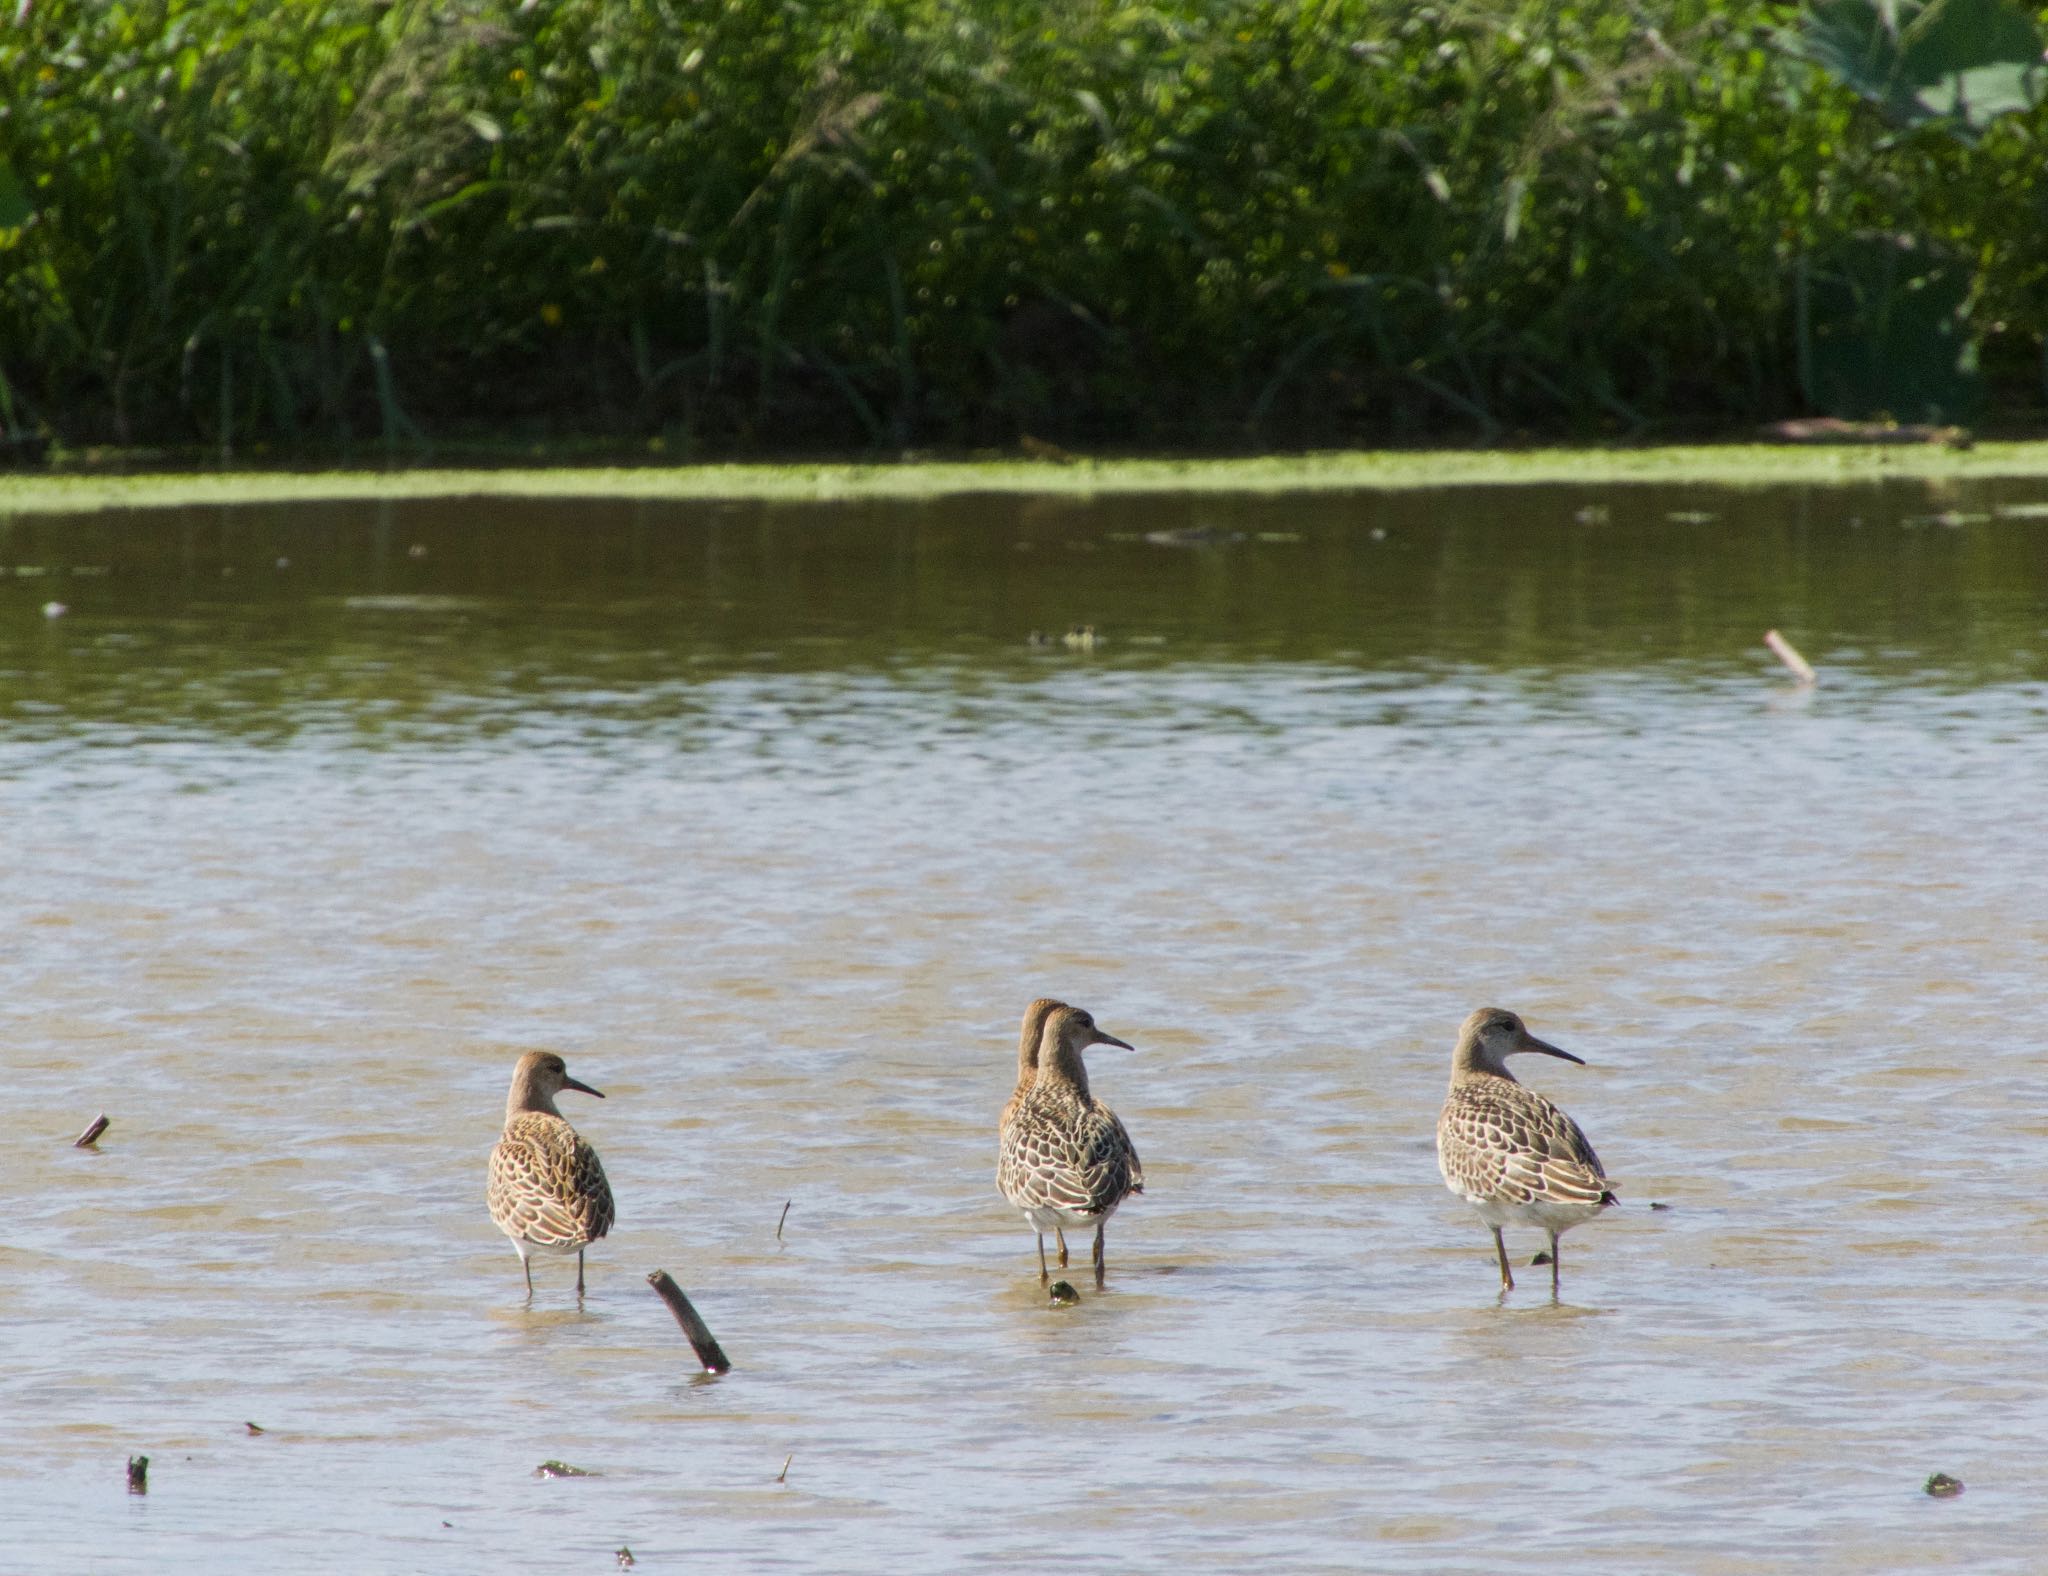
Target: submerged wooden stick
{"points": [[702, 1341], [91, 1135], [785, 1216], [1787, 653]]}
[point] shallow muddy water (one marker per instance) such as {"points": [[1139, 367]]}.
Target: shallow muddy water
{"points": [[772, 819]]}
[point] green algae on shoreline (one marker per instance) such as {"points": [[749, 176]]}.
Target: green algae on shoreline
{"points": [[1365, 471]]}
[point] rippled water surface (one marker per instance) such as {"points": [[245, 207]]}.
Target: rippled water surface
{"points": [[773, 819]]}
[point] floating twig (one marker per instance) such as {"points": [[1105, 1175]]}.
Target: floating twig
{"points": [[1787, 653], [702, 1341], [785, 1216], [91, 1135], [1942, 1486], [783, 1475], [138, 1475], [560, 1469], [253, 1428]]}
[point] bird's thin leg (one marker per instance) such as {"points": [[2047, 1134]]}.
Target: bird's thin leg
{"points": [[1554, 1263], [1507, 1276], [1100, 1262], [579, 1273], [527, 1265], [1043, 1273], [1060, 1237]]}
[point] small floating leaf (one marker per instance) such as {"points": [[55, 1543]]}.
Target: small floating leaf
{"points": [[555, 1469], [1942, 1486]]}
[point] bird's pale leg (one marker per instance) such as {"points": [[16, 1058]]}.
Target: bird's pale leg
{"points": [[1507, 1276], [1044, 1274], [1100, 1264], [1060, 1237], [1553, 1266]]}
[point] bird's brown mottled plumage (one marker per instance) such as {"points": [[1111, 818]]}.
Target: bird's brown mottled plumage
{"points": [[547, 1190], [1065, 1158], [1009, 1180], [1508, 1151]]}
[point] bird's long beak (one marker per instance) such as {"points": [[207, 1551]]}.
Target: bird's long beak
{"points": [[584, 1088], [1531, 1043], [1102, 1037]]}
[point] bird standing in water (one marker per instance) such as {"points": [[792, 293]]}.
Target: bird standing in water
{"points": [[1505, 1149], [548, 1191], [1066, 1159]]}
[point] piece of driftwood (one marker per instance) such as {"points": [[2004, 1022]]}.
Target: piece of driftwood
{"points": [[1787, 653], [91, 1135], [709, 1353], [785, 1216]]}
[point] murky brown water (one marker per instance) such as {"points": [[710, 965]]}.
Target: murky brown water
{"points": [[772, 821]]}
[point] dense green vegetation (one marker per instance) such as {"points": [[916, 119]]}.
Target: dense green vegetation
{"points": [[751, 224]]}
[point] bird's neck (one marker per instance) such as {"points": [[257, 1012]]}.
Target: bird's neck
{"points": [[1059, 1066]]}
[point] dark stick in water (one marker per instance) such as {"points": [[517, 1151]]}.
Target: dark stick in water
{"points": [[91, 1135], [702, 1341], [785, 1216]]}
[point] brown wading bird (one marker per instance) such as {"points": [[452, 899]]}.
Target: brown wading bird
{"points": [[548, 1192], [1008, 1179], [1065, 1159], [1506, 1150]]}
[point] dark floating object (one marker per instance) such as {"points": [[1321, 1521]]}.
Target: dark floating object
{"points": [[702, 1341], [1942, 1486], [1655, 1205], [625, 1558], [1063, 1294], [91, 1135], [555, 1469], [138, 1475], [1541, 1258], [785, 1215], [253, 1428], [783, 1475]]}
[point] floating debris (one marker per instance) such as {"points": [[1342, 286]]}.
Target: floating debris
{"points": [[785, 1215], [1063, 1294], [91, 1136], [138, 1475], [1942, 1486], [55, 609], [1787, 653], [559, 1469], [783, 1475], [625, 1558], [255, 1429], [1541, 1258], [1654, 1204], [1039, 449], [709, 1353], [1833, 429], [1194, 536]]}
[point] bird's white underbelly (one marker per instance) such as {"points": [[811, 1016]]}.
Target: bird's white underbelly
{"points": [[1543, 1213], [1049, 1217]]}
